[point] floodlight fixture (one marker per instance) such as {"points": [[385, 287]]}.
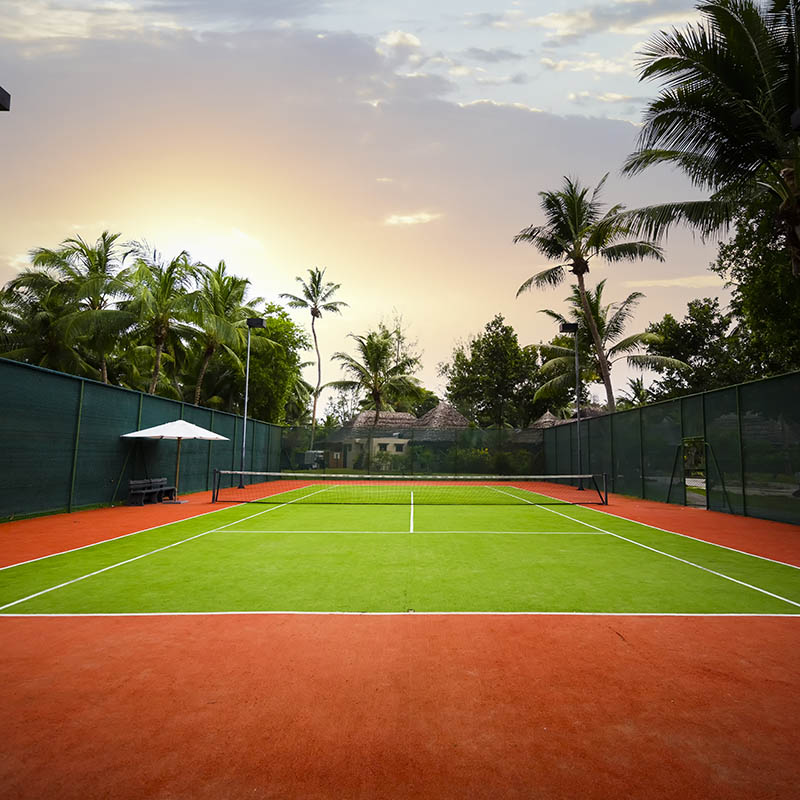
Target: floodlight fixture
{"points": [[256, 322], [5, 100], [568, 327]]}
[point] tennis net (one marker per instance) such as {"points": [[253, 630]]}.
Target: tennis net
{"points": [[231, 486]]}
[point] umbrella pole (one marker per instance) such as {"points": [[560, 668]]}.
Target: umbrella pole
{"points": [[178, 469]]}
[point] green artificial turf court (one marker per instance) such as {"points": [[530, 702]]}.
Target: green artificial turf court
{"points": [[398, 558]]}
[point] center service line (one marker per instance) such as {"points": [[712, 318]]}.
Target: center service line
{"points": [[411, 525]]}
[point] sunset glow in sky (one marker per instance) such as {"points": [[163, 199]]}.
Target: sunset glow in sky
{"points": [[400, 145]]}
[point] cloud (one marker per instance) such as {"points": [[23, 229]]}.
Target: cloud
{"points": [[492, 56], [506, 20], [418, 218], [495, 104], [592, 62], [703, 281], [624, 17], [517, 78], [400, 39], [584, 97], [42, 20]]}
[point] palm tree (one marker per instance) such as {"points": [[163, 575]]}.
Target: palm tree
{"points": [[159, 293], [378, 373], [220, 312], [727, 116], [635, 394], [316, 296], [610, 320], [575, 231], [89, 273], [35, 310]]}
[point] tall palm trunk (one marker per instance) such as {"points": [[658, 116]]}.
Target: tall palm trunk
{"points": [[319, 382], [206, 360], [156, 368], [605, 372], [104, 369]]}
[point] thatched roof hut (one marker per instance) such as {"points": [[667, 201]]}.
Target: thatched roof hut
{"points": [[443, 416], [386, 419], [547, 420]]}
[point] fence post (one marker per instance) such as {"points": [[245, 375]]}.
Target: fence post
{"points": [[75, 448], [741, 447], [613, 469], [641, 449], [705, 446], [235, 439], [210, 445]]}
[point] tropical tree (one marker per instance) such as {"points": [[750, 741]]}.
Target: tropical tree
{"points": [[728, 116], [491, 379], [343, 405], [316, 296], [219, 310], [299, 398], [87, 275], [610, 320], [159, 292], [36, 309], [757, 267], [577, 230], [377, 372], [715, 349], [635, 394]]}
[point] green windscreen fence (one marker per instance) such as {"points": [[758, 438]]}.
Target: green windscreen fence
{"points": [[412, 449], [735, 450], [62, 449]]}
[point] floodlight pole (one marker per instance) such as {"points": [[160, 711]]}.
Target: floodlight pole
{"points": [[572, 327], [252, 322]]}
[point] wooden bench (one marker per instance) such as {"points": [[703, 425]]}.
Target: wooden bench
{"points": [[152, 490]]}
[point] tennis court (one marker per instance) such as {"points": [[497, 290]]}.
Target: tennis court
{"points": [[322, 546], [494, 640]]}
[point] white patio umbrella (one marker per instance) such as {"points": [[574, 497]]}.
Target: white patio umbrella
{"points": [[180, 429]]}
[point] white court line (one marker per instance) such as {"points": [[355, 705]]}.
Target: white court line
{"points": [[682, 560], [693, 538], [663, 530], [738, 614], [488, 533], [143, 555], [411, 524]]}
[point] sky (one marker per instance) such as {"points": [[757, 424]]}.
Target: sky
{"points": [[400, 146]]}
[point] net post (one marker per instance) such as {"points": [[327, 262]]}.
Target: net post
{"points": [[215, 486]]}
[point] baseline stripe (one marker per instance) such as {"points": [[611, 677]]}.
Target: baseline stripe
{"points": [[787, 615]]}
